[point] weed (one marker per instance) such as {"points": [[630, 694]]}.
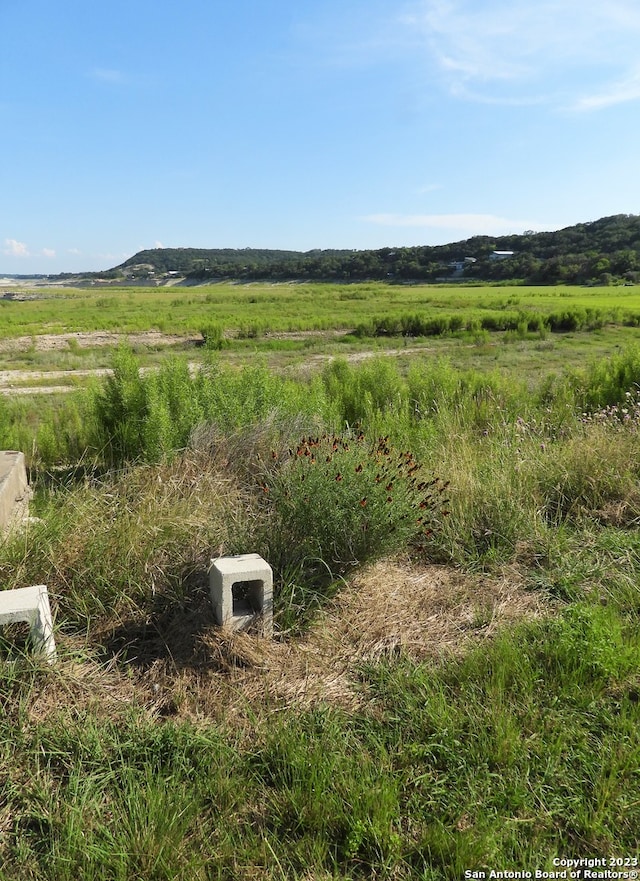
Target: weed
{"points": [[340, 500], [213, 336]]}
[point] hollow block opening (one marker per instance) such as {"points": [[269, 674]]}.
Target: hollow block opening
{"points": [[15, 640], [247, 597]]}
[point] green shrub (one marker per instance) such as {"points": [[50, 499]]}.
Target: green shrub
{"points": [[575, 319], [119, 410], [232, 399], [342, 499], [604, 382], [213, 336], [567, 320], [500, 321], [358, 393], [139, 416], [365, 329], [609, 379], [144, 416], [436, 326]]}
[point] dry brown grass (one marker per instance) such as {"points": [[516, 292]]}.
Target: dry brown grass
{"points": [[186, 667], [390, 609]]}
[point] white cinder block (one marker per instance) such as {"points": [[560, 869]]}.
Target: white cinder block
{"points": [[242, 592], [31, 604], [14, 489]]}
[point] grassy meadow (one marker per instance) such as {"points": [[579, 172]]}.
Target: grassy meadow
{"points": [[451, 511], [255, 308]]}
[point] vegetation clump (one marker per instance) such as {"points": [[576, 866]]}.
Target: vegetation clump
{"points": [[340, 499]]}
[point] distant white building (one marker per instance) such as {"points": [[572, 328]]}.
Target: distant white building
{"points": [[500, 255], [459, 265]]}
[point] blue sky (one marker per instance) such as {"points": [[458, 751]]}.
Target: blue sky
{"points": [[303, 124]]}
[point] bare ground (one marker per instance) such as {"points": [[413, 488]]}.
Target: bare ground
{"points": [[60, 342], [48, 342]]}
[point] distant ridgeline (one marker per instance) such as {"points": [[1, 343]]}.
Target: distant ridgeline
{"points": [[602, 252]]}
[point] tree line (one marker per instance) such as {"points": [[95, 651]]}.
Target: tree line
{"points": [[600, 252]]}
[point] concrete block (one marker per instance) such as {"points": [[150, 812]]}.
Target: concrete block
{"points": [[31, 604], [14, 488], [242, 592]]}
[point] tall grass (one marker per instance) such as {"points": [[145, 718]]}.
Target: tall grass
{"points": [[505, 757], [519, 462], [139, 416], [129, 543]]}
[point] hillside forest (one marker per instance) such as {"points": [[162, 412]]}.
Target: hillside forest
{"points": [[604, 251]]}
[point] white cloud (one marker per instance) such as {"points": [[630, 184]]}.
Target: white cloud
{"points": [[115, 258], [48, 252], [16, 249], [158, 245], [516, 51], [107, 75], [428, 188], [463, 224], [73, 251], [616, 93]]}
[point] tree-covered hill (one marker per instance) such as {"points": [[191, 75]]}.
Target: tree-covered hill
{"points": [[600, 251]]}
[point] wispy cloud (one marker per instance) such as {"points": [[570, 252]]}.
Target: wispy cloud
{"points": [[14, 248], [108, 75], [115, 258], [619, 92], [516, 51], [428, 188], [463, 224]]}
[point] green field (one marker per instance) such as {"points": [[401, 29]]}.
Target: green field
{"points": [[290, 307], [452, 520], [529, 329]]}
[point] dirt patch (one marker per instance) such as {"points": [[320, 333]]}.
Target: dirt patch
{"points": [[11, 381], [186, 667], [48, 342], [14, 382]]}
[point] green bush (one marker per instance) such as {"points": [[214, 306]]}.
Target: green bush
{"points": [[139, 416], [341, 499], [604, 382], [361, 392], [609, 379], [144, 416], [500, 321], [119, 410], [213, 336], [567, 320]]}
